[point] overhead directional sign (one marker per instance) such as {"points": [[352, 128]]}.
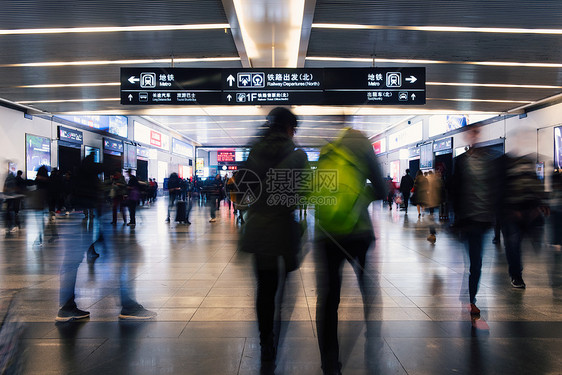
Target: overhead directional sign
{"points": [[270, 86]]}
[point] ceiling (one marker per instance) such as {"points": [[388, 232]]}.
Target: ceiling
{"points": [[480, 56]]}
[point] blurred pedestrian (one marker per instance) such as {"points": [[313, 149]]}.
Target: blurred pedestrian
{"points": [[345, 232], [523, 206], [117, 193], [174, 188], [133, 197], [474, 190], [419, 197], [406, 185], [271, 233]]}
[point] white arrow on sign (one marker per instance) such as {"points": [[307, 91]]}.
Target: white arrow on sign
{"points": [[413, 96], [133, 79], [229, 97], [411, 79], [130, 97], [230, 80]]}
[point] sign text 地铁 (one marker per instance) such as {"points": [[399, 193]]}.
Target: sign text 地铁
{"points": [[273, 86]]}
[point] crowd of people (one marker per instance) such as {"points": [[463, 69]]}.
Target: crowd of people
{"points": [[484, 190]]}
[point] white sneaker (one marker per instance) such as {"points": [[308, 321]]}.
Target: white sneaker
{"points": [[212, 220]]}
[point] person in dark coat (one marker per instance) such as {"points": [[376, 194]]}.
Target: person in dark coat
{"points": [[174, 187], [420, 192], [474, 191], [270, 233], [133, 197], [406, 185]]}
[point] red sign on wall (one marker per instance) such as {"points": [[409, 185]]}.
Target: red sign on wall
{"points": [[226, 156], [155, 138], [379, 146]]}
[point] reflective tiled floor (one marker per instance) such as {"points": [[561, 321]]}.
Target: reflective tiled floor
{"points": [[203, 292]]}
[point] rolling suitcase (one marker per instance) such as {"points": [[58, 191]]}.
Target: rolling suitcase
{"points": [[181, 211]]}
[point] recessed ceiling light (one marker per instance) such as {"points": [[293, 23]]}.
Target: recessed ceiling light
{"points": [[69, 100], [456, 29], [121, 62], [57, 85], [499, 85], [422, 62], [483, 100], [111, 29]]}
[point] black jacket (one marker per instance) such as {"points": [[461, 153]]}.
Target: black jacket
{"points": [[270, 225]]}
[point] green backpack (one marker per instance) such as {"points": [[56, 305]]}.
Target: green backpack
{"points": [[341, 186]]}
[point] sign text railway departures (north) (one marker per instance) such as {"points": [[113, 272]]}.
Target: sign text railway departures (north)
{"points": [[271, 86]]}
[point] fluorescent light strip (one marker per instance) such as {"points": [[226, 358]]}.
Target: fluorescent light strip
{"points": [[120, 62], [483, 100], [500, 85], [70, 100], [416, 61], [455, 29], [56, 85], [112, 29]]}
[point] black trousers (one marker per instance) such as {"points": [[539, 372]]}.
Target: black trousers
{"points": [[329, 277], [270, 275]]}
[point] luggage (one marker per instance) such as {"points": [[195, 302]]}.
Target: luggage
{"points": [[181, 211]]}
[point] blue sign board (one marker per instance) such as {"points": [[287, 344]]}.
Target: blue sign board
{"points": [[443, 144], [70, 135], [112, 145], [112, 124]]}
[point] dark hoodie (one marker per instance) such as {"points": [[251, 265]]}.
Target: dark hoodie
{"points": [[270, 225]]}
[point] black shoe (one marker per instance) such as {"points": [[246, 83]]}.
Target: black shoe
{"points": [[92, 254], [66, 315], [517, 282], [113, 223], [136, 313]]}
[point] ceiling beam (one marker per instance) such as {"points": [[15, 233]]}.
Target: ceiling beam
{"points": [[308, 17], [228, 6]]}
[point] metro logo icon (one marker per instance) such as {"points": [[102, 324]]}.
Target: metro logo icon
{"points": [[148, 80]]}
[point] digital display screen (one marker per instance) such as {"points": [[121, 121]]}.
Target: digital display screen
{"points": [[558, 149], [130, 156], [112, 124], [241, 155], [226, 156], [88, 150], [37, 153], [70, 135], [112, 145], [426, 156]]}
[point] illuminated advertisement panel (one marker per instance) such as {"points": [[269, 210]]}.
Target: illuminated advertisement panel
{"points": [[37, 153]]}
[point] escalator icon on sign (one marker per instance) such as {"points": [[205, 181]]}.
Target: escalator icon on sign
{"points": [[250, 80]]}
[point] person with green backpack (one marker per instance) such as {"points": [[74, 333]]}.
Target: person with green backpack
{"points": [[344, 229]]}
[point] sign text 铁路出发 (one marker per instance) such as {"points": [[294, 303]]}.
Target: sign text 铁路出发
{"points": [[272, 86]]}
